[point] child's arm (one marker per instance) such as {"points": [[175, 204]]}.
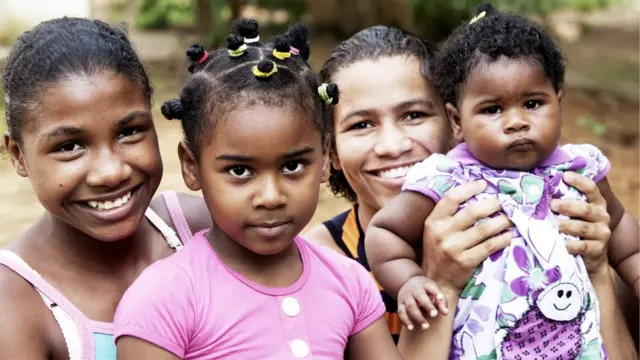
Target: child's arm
{"points": [[624, 246], [391, 243], [374, 342], [133, 348]]}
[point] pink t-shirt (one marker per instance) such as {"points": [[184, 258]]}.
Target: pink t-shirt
{"points": [[193, 306]]}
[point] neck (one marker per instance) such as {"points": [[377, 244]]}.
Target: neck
{"points": [[276, 270], [63, 244], [365, 214]]}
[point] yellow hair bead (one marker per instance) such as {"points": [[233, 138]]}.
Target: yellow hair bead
{"points": [[262, 74], [281, 55], [478, 17], [322, 91], [239, 51]]}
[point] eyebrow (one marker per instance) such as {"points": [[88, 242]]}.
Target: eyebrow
{"points": [[66, 130], [286, 156], [402, 105]]}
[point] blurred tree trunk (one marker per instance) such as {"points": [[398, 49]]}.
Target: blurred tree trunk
{"points": [[346, 17], [206, 24]]}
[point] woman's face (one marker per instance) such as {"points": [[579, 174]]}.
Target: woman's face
{"points": [[388, 119]]}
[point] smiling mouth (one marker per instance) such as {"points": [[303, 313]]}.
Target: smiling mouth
{"points": [[111, 204], [393, 173], [563, 309]]}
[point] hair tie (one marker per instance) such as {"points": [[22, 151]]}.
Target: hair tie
{"points": [[239, 51], [260, 71], [281, 55], [204, 57], [324, 93], [294, 51], [252, 40], [478, 17]]}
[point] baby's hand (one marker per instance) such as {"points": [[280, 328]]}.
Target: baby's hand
{"points": [[416, 297]]}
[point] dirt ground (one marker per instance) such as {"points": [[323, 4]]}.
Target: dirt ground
{"points": [[601, 61]]}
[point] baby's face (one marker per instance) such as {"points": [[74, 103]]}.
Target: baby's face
{"points": [[508, 114]]}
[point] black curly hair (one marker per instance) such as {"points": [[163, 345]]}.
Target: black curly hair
{"points": [[490, 35], [370, 44], [57, 48], [247, 72]]}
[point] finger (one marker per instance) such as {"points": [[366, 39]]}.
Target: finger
{"points": [[425, 303], [483, 231], [480, 252], [585, 186], [437, 297], [404, 317], [448, 205], [586, 248], [468, 216], [585, 230], [581, 210], [415, 314]]}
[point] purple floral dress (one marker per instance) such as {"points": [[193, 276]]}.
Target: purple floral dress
{"points": [[532, 300]]}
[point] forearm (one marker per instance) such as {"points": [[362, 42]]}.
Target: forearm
{"points": [[624, 251], [615, 334], [392, 260], [435, 343]]}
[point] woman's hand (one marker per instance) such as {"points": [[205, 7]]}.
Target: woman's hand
{"points": [[589, 221], [453, 246]]}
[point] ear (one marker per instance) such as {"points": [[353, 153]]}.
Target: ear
{"points": [[326, 161], [189, 166], [16, 155], [560, 95], [454, 119]]}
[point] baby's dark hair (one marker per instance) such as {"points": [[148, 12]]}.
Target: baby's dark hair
{"points": [[371, 44], [57, 49], [249, 72], [488, 36]]}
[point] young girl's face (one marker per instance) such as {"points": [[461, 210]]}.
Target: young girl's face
{"points": [[508, 114], [388, 119], [91, 152], [260, 174]]}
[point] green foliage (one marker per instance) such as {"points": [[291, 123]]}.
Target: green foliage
{"points": [[295, 8], [161, 14]]}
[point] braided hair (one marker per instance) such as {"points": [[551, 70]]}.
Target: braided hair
{"points": [[488, 36], [55, 49], [246, 72]]}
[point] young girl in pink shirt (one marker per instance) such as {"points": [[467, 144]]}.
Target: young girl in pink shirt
{"points": [[254, 115]]}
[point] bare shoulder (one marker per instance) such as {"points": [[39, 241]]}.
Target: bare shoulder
{"points": [[25, 319], [193, 207], [320, 235]]}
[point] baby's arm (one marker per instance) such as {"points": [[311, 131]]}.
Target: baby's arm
{"points": [[392, 240], [624, 247]]}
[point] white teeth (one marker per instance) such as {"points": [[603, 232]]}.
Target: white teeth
{"points": [[395, 172], [110, 204]]}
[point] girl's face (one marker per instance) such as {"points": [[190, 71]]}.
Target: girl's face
{"points": [[260, 174], [91, 152], [388, 119], [508, 114]]}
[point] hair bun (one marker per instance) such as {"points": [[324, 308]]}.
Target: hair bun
{"points": [[247, 28], [196, 52], [298, 35], [265, 66], [281, 44], [234, 41], [172, 109], [332, 91], [486, 7]]}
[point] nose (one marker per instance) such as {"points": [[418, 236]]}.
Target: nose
{"points": [[392, 141], [514, 122], [270, 195], [108, 169]]}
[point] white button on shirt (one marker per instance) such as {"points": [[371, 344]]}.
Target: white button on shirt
{"points": [[290, 306], [299, 348]]}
